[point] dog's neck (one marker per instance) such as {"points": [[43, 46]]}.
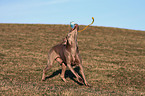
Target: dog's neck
{"points": [[72, 38]]}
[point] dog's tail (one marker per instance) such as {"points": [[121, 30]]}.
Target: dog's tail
{"points": [[88, 25]]}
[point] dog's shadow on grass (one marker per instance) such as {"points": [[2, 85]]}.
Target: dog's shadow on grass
{"points": [[68, 74]]}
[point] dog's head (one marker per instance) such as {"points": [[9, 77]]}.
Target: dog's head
{"points": [[72, 35], [76, 26]]}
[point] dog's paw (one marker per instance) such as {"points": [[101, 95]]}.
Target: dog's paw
{"points": [[43, 79], [63, 79], [88, 85], [80, 80]]}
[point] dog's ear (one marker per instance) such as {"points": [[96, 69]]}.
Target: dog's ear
{"points": [[69, 42], [64, 41]]}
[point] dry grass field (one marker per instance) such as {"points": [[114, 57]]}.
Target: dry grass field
{"points": [[113, 61]]}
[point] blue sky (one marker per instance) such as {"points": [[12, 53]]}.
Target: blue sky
{"points": [[129, 14]]}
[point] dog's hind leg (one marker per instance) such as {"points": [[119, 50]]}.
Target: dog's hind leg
{"points": [[45, 70], [51, 57]]}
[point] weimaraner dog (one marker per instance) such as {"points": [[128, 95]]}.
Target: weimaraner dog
{"points": [[67, 54]]}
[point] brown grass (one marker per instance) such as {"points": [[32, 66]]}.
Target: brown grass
{"points": [[113, 60]]}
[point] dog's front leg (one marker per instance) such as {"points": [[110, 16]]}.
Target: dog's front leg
{"points": [[79, 60], [63, 72], [77, 76], [83, 75], [68, 61]]}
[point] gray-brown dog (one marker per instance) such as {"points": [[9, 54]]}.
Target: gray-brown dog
{"points": [[67, 54]]}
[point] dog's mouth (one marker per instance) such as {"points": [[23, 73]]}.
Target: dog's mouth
{"points": [[77, 26]]}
